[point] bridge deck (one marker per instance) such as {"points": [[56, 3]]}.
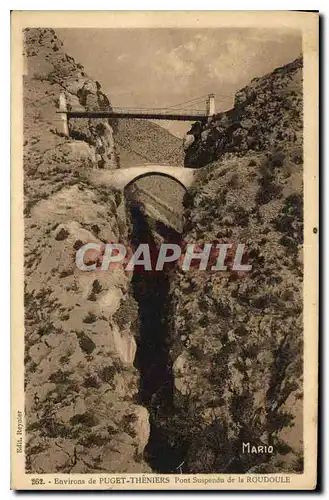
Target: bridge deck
{"points": [[122, 177], [146, 114]]}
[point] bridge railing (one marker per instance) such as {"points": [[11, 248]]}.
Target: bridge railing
{"points": [[160, 111]]}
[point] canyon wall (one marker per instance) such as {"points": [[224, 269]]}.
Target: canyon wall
{"points": [[267, 116], [81, 385], [236, 338]]}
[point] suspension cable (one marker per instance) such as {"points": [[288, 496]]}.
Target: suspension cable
{"points": [[195, 101]]}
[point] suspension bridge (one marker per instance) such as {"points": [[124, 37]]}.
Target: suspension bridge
{"points": [[185, 111]]}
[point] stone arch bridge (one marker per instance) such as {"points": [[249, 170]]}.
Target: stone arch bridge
{"points": [[123, 177]]}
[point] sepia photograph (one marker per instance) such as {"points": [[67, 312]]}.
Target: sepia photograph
{"points": [[164, 193]]}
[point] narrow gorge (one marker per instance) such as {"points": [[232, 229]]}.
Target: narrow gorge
{"points": [[161, 371]]}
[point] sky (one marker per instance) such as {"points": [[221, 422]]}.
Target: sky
{"points": [[162, 67]]}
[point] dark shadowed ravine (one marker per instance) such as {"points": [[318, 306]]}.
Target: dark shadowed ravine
{"points": [[151, 292]]}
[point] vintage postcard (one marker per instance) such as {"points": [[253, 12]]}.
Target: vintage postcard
{"points": [[164, 250]]}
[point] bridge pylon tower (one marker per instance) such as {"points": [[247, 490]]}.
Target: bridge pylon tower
{"points": [[211, 108]]}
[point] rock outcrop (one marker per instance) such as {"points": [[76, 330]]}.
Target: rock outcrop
{"points": [[237, 337], [81, 385]]}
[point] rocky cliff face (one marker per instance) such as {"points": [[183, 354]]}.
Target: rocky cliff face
{"points": [[236, 338], [267, 115], [81, 385]]}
